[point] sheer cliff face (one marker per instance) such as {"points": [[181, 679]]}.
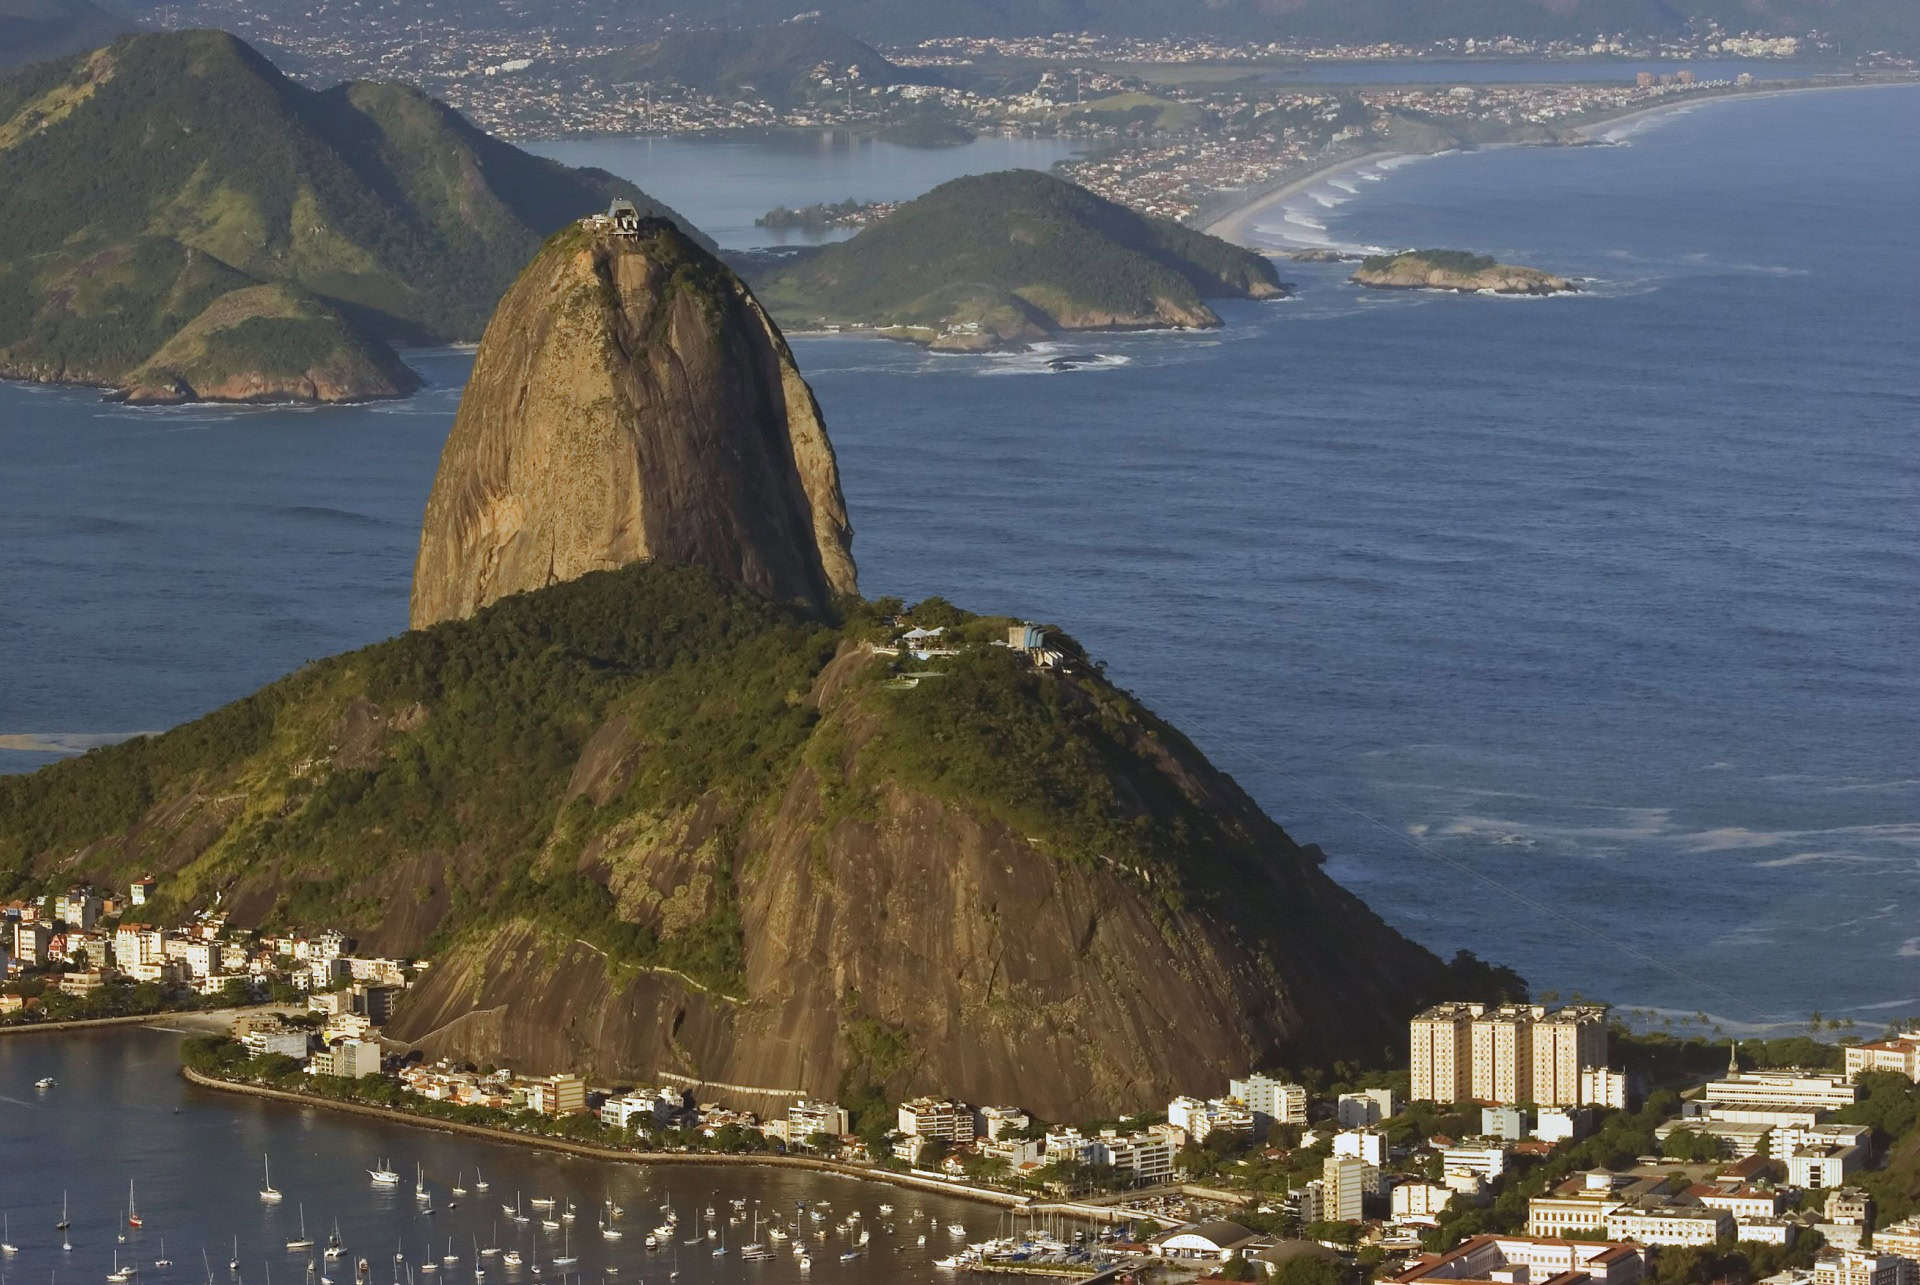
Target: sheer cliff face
{"points": [[631, 401]]}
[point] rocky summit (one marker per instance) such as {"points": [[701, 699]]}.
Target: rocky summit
{"points": [[630, 402]]}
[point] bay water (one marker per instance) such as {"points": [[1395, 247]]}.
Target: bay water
{"points": [[1581, 632]]}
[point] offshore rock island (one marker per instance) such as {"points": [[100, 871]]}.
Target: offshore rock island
{"points": [[674, 818], [1004, 260], [1458, 271]]}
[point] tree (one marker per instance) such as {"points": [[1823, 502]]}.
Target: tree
{"points": [[1238, 1269]]}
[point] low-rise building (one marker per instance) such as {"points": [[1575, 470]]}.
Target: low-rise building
{"points": [[805, 1118], [1852, 1205], [1360, 1109], [1856, 1267], [1277, 1100], [265, 1037], [1369, 1145], [1766, 1231], [1216, 1241], [1199, 1118], [1901, 1239], [996, 1122], [1899, 1054], [350, 1059], [1601, 1087], [557, 1095], [1529, 1260], [1420, 1202], [1670, 1225], [929, 1118], [1486, 1157]]}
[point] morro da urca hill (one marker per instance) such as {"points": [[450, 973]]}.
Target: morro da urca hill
{"points": [[631, 402], [650, 821], [150, 188], [1002, 260]]}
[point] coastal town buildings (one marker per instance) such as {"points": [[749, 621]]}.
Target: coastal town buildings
{"points": [[1276, 1100], [942, 1119]]}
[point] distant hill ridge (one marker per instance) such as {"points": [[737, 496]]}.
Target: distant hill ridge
{"points": [[144, 181], [999, 260], [777, 61], [1858, 25]]}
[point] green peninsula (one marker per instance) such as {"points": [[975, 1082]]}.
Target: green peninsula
{"points": [[1003, 260]]}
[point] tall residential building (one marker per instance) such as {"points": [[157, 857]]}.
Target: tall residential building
{"points": [[1503, 1053], [1567, 1043], [1276, 1099], [1442, 1052], [1346, 1182]]}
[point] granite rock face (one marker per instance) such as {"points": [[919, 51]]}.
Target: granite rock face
{"points": [[631, 401]]}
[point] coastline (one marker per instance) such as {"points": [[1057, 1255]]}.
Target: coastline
{"points": [[913, 1182], [1237, 222], [205, 1019]]}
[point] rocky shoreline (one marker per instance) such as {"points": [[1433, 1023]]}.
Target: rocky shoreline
{"points": [[1457, 272]]}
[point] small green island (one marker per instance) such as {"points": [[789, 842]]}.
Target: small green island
{"points": [[998, 262], [1456, 270]]}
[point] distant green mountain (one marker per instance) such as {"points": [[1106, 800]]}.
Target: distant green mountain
{"points": [[999, 260], [143, 182], [31, 30], [784, 63]]}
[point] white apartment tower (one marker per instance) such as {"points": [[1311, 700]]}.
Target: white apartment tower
{"points": [[1503, 1053], [1567, 1043], [1442, 1052]]}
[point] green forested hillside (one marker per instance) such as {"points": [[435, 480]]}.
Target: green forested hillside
{"points": [[724, 836], [142, 180], [1008, 257], [778, 62]]}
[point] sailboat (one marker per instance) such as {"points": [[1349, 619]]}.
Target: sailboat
{"points": [[133, 1215], [608, 1231], [269, 1192], [450, 1258], [420, 1191], [479, 1182], [233, 1264], [302, 1242], [334, 1248], [120, 1273], [64, 1222], [121, 1235], [459, 1187], [163, 1262], [566, 1258], [6, 1235]]}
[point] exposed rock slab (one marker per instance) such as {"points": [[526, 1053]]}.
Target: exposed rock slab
{"points": [[631, 401]]}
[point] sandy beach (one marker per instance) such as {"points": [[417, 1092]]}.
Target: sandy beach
{"points": [[1237, 224]]}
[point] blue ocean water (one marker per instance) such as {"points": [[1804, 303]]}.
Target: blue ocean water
{"points": [[1581, 631]]}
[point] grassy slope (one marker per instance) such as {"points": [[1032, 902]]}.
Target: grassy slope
{"points": [[1019, 234], [375, 198]]}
